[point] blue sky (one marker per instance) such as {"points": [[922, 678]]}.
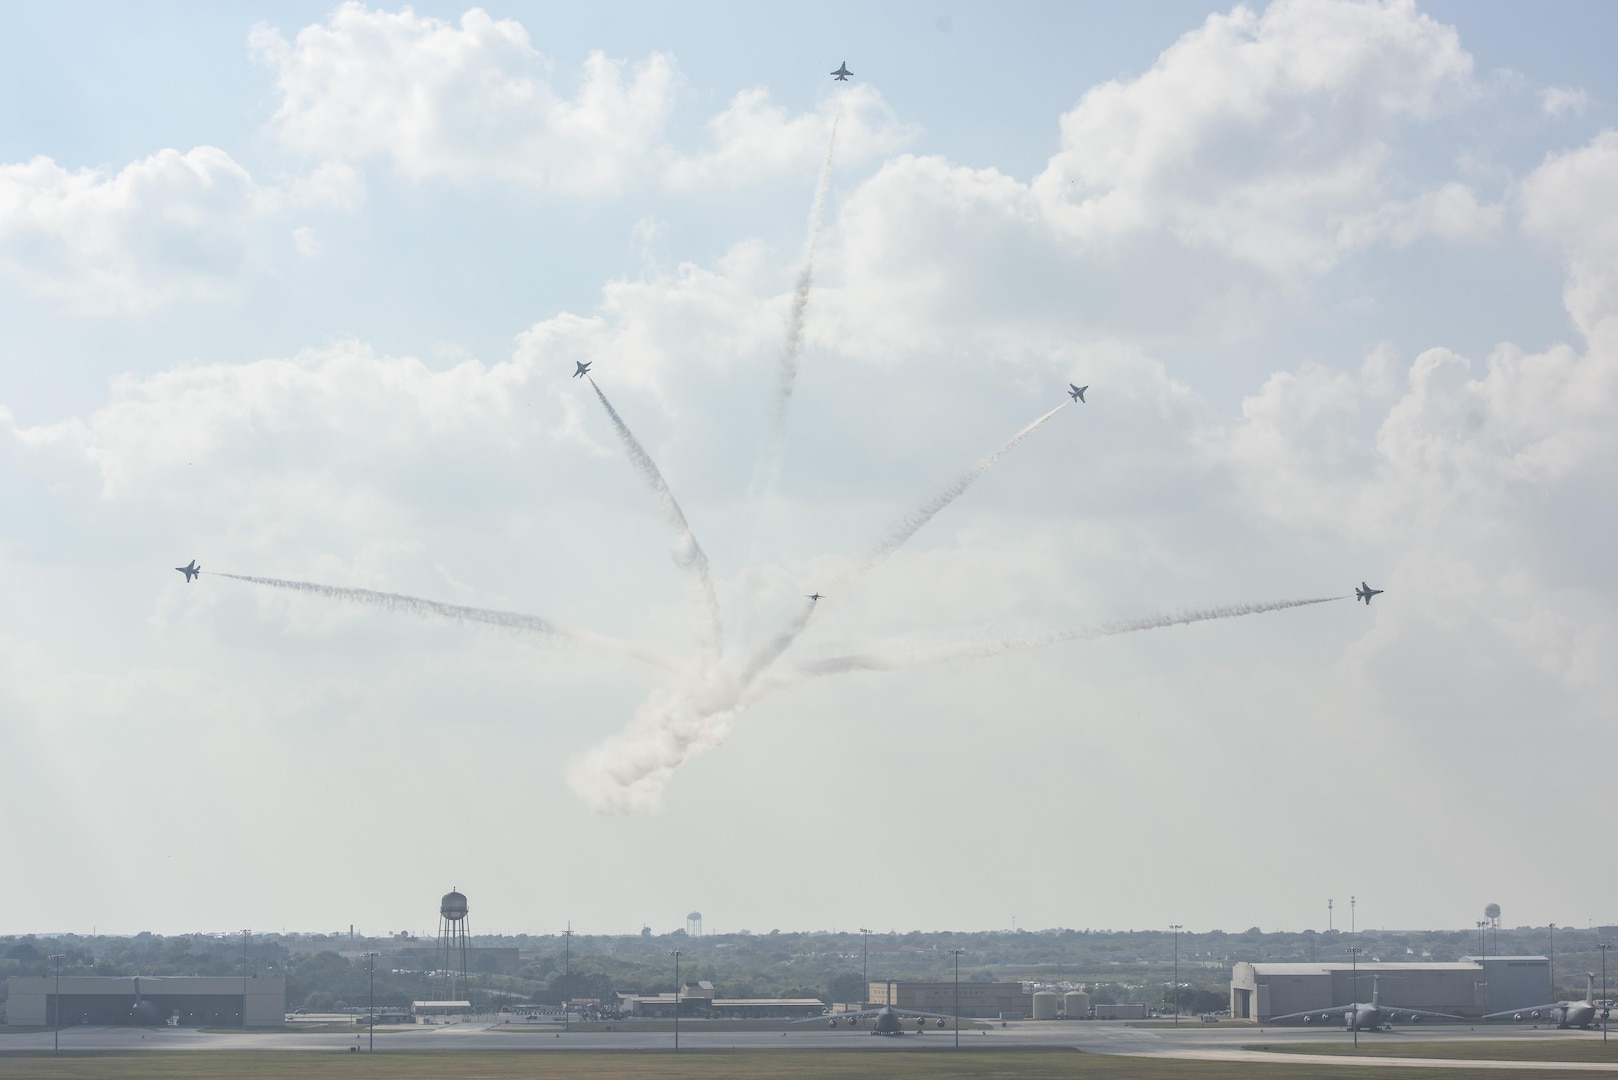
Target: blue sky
{"points": [[297, 291]]}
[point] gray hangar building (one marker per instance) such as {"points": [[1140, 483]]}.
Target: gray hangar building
{"points": [[1469, 987], [146, 999]]}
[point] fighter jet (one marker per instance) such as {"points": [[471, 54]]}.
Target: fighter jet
{"points": [[1565, 1014], [1365, 592], [1077, 392], [814, 596], [583, 366], [842, 73], [190, 571], [1362, 1016], [887, 1019]]}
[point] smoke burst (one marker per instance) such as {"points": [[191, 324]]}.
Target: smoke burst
{"points": [[554, 633], [688, 554]]}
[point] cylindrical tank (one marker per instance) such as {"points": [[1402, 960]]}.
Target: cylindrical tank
{"points": [[1076, 1004], [1045, 1004], [453, 906]]}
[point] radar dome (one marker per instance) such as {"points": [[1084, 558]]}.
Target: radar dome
{"points": [[1492, 911], [453, 906]]}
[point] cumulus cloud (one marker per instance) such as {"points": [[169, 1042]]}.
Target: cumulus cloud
{"points": [[173, 225], [1266, 136], [475, 99]]}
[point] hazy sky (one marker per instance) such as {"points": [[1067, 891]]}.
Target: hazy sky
{"points": [[297, 291]]}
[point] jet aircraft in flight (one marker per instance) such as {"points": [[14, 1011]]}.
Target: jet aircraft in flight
{"points": [[814, 596], [1077, 392], [842, 73], [1564, 1014], [583, 366], [1362, 1016], [1365, 592], [888, 1019], [190, 571]]}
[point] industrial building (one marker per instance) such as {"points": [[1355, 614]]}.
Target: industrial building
{"points": [[202, 1000], [1003, 1000], [1469, 987]]}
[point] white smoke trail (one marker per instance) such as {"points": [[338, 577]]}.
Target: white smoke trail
{"points": [[768, 473], [688, 554], [507, 620], [842, 665], [627, 772]]}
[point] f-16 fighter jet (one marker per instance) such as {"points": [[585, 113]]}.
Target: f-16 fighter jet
{"points": [[583, 366], [842, 73], [1076, 392], [814, 596], [1365, 592], [190, 571]]}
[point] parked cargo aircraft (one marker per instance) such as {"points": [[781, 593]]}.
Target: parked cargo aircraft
{"points": [[1360, 1016], [1564, 1014], [888, 1019]]}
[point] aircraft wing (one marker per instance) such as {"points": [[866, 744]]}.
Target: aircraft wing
{"points": [[1512, 1014], [866, 1014], [1334, 1012], [1394, 1015]]}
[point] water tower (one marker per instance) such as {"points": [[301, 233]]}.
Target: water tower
{"points": [[452, 931], [693, 924]]}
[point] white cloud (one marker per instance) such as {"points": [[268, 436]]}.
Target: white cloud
{"points": [[170, 225], [167, 227], [1264, 136], [474, 100], [753, 139], [1558, 101], [1568, 200]]}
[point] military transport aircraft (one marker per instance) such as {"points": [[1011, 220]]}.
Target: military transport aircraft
{"points": [[887, 1019], [842, 72], [583, 366], [1565, 1014], [1360, 1016], [1365, 592], [1077, 392], [190, 571]]}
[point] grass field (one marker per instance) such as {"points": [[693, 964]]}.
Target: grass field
{"points": [[1572, 1049], [749, 1065]]}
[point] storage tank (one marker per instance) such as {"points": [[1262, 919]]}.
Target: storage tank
{"points": [[1045, 1004], [1076, 1004]]}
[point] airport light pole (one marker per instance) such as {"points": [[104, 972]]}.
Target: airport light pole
{"points": [[957, 954], [676, 954], [1354, 984], [56, 1026], [1553, 961], [567, 975], [245, 935], [1176, 927], [1604, 1006], [371, 1003], [865, 967]]}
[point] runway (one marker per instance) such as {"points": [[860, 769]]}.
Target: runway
{"points": [[1194, 1041]]}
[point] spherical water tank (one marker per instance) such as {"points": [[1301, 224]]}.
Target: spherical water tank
{"points": [[1076, 1003], [1045, 1005], [453, 906]]}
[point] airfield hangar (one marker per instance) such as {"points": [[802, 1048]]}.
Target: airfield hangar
{"points": [[1469, 987], [222, 1001]]}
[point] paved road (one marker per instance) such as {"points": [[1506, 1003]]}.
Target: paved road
{"points": [[1222, 1042]]}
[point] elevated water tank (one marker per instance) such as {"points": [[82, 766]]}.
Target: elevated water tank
{"points": [[1045, 1004], [453, 906], [1076, 1004]]}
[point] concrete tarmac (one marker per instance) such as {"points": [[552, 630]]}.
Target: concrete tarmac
{"points": [[1193, 1041]]}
